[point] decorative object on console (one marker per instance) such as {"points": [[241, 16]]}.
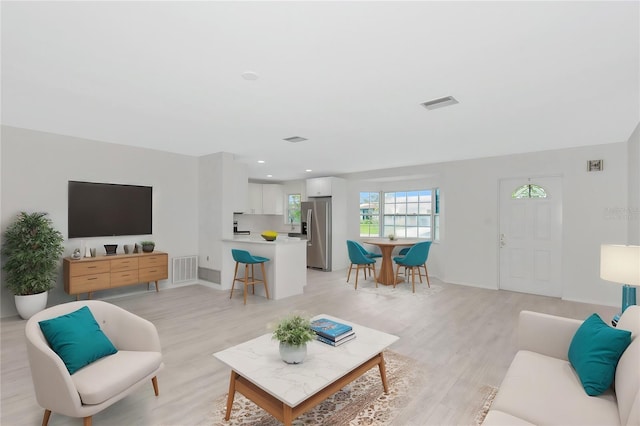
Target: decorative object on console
{"points": [[76, 254], [110, 249], [127, 249], [136, 248], [293, 333], [87, 251], [621, 264], [93, 252], [269, 235], [148, 246]]}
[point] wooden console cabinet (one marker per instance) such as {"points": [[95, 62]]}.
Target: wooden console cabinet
{"points": [[91, 274]]}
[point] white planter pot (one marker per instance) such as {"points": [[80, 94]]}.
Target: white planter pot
{"points": [[293, 354], [30, 305]]}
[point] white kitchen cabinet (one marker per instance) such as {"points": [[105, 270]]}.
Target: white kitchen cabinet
{"points": [[255, 198], [240, 188], [320, 187], [266, 199], [272, 199]]}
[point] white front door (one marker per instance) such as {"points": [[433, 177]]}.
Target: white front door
{"points": [[531, 235]]}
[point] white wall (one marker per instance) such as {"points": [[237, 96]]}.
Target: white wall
{"points": [[216, 204], [633, 207], [36, 167], [468, 252], [191, 196]]}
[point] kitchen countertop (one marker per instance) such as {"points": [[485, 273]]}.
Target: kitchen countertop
{"points": [[286, 269], [259, 240]]}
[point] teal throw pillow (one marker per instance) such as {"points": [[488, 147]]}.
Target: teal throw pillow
{"points": [[77, 339], [594, 353]]}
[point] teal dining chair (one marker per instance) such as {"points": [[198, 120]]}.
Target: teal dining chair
{"points": [[369, 254], [358, 258], [249, 279], [415, 258], [404, 252]]}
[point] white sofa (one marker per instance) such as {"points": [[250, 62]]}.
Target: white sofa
{"points": [[542, 388]]}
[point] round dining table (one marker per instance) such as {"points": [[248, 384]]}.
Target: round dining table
{"points": [[386, 275]]}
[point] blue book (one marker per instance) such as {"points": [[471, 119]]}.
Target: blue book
{"points": [[329, 329]]}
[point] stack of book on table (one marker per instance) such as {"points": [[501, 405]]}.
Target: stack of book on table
{"points": [[331, 332]]}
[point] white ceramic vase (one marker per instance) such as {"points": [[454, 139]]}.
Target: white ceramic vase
{"points": [[293, 354], [31, 304]]}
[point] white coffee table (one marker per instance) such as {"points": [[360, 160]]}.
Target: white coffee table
{"points": [[288, 390]]}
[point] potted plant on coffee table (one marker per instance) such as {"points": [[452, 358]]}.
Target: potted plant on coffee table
{"points": [[33, 248], [293, 333]]}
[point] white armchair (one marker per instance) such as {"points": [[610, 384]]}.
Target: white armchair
{"points": [[103, 382]]}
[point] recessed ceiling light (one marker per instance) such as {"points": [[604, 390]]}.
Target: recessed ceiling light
{"points": [[249, 75], [308, 170], [269, 175], [440, 102], [295, 139], [261, 161]]}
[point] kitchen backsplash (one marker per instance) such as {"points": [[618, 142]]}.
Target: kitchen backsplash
{"points": [[256, 223]]}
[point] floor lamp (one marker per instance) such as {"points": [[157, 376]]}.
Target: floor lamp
{"points": [[621, 264]]}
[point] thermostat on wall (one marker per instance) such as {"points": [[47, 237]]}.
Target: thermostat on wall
{"points": [[594, 165]]}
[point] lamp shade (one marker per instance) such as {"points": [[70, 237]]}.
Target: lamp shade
{"points": [[620, 264]]}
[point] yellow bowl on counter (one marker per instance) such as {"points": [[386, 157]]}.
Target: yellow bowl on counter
{"points": [[269, 235]]}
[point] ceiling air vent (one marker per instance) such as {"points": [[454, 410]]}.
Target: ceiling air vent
{"points": [[440, 102], [295, 139]]}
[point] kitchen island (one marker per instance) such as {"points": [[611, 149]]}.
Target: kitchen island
{"points": [[286, 270]]}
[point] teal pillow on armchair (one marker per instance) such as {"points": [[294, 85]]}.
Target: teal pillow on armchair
{"points": [[77, 338], [594, 353]]}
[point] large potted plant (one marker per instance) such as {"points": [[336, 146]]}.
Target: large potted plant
{"points": [[32, 247], [293, 333]]}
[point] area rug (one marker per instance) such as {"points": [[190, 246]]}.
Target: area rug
{"points": [[490, 393], [362, 402], [403, 290]]}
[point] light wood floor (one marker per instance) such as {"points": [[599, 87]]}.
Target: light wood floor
{"points": [[463, 337]]}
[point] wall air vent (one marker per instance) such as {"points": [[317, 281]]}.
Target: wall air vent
{"points": [[295, 139], [440, 102]]}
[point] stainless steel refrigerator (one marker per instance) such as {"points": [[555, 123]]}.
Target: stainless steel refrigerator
{"points": [[316, 226]]}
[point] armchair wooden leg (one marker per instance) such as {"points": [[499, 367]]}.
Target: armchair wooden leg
{"points": [[87, 421], [154, 382], [45, 418], [349, 274]]}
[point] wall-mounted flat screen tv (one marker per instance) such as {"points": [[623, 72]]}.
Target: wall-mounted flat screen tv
{"points": [[106, 209]]}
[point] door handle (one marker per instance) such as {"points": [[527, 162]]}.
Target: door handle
{"points": [[502, 241], [309, 227]]}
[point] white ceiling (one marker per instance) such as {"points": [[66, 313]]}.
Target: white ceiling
{"points": [[349, 76]]}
